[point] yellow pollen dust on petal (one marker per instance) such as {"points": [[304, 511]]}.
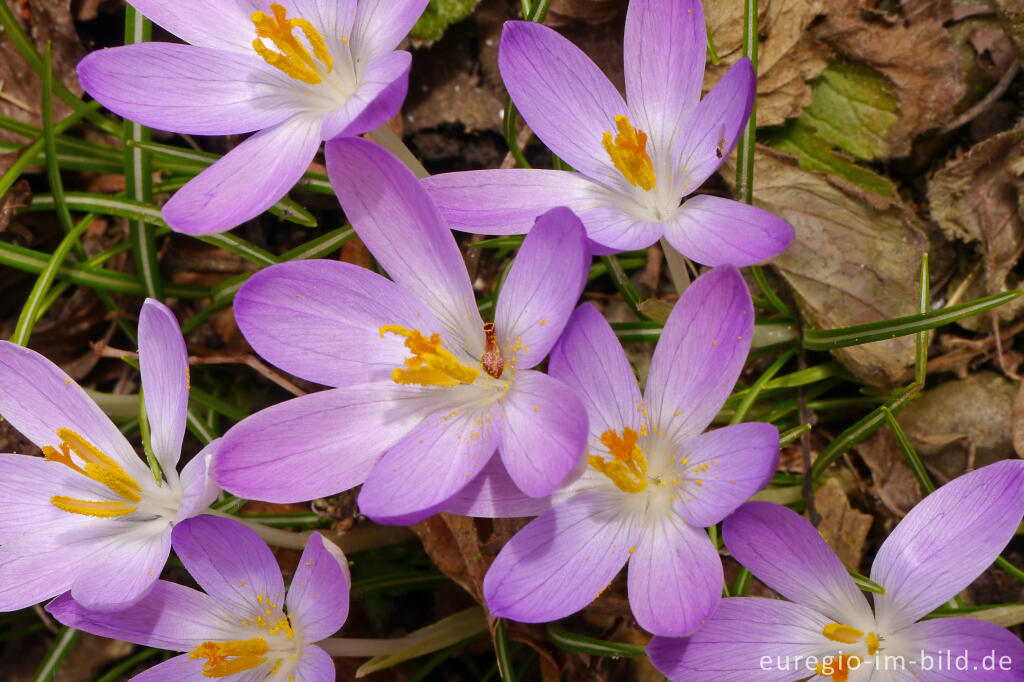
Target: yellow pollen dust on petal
{"points": [[228, 658], [844, 634], [98, 467], [872, 642], [628, 151], [293, 59], [628, 469], [430, 364], [838, 668]]}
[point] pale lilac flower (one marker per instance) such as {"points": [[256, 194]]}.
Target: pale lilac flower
{"points": [[89, 515], [942, 545], [652, 481], [245, 626], [425, 390], [636, 158], [295, 71]]}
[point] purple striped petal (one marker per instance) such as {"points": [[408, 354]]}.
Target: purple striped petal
{"points": [[991, 653], [787, 554], [700, 354], [508, 201], [664, 51], [711, 131], [946, 541], [225, 25], [493, 494], [418, 475], [184, 668], [563, 96], [198, 489], [718, 231], [231, 564], [170, 616], [188, 89], [403, 230], [164, 364], [318, 595], [26, 486], [381, 24], [542, 287], [247, 180], [675, 577], [37, 566], [122, 570], [618, 230], [561, 560], [382, 87], [321, 320], [315, 445], [544, 434], [314, 665], [746, 639], [731, 463]]}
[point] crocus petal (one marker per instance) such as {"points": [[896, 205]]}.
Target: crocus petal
{"points": [[315, 445], [563, 96], [493, 494], [170, 616], [732, 463], [403, 230], [542, 287], [198, 489], [787, 554], [223, 25], [247, 180], [561, 560], [314, 665], [664, 51], [37, 398], [382, 87], [321, 320], [182, 668], [675, 577], [508, 201], [700, 354], [44, 564], [717, 231], [545, 432], [122, 570], [946, 541], [188, 89], [318, 595], [711, 131], [381, 24], [26, 486], [231, 563], [418, 475], [740, 642], [617, 230], [163, 361], [992, 653]]}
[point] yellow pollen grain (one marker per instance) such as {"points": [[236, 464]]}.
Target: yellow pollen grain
{"points": [[628, 151], [293, 59], [844, 634], [872, 642]]}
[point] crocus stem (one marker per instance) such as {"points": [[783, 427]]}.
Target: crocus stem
{"points": [[676, 266], [344, 646], [272, 536], [386, 138]]}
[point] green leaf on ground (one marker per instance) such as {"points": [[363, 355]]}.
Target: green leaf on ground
{"points": [[439, 15]]}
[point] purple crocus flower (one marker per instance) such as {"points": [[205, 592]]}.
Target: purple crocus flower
{"points": [[89, 516], [425, 389], [652, 481], [635, 160], [828, 630], [245, 626], [296, 71]]}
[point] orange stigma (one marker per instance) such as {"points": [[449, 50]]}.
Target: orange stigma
{"points": [[491, 360], [628, 152]]}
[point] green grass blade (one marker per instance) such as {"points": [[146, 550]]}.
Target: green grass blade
{"points": [[61, 646], [581, 644]]}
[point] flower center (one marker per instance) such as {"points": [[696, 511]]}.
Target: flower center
{"points": [[628, 468], [629, 154], [430, 364], [294, 58], [839, 667], [228, 658], [98, 467]]}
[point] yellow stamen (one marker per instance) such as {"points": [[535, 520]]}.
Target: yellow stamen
{"points": [[228, 658], [293, 59], [838, 668], [629, 154], [845, 634], [430, 364], [629, 468], [872, 642], [98, 467], [103, 510]]}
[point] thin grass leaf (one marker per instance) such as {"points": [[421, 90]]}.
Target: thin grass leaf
{"points": [[119, 671], [790, 436], [924, 299], [909, 454], [581, 644], [755, 390], [503, 652], [60, 647]]}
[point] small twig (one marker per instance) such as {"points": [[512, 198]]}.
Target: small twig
{"points": [[994, 94], [250, 361], [45, 618]]}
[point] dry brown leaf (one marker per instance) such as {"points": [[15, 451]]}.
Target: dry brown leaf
{"points": [[788, 56], [855, 258], [453, 543], [844, 528], [589, 11], [914, 52], [893, 481]]}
